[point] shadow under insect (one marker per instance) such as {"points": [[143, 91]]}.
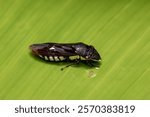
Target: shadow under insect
{"points": [[67, 63]]}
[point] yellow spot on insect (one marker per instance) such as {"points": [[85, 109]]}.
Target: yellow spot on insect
{"points": [[61, 58], [41, 56], [74, 57], [82, 58], [56, 58], [51, 58], [46, 58], [86, 57]]}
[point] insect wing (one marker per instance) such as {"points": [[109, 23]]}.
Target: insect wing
{"points": [[61, 50]]}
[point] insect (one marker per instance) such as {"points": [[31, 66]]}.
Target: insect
{"points": [[66, 52]]}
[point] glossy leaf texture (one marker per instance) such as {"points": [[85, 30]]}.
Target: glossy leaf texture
{"points": [[118, 29]]}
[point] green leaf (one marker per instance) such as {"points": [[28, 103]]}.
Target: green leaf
{"points": [[119, 30]]}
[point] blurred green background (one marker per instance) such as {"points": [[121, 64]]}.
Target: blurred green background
{"points": [[118, 29]]}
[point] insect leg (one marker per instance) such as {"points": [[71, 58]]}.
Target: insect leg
{"points": [[76, 62], [92, 63], [89, 63]]}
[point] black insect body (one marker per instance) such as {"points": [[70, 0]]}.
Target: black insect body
{"points": [[66, 52]]}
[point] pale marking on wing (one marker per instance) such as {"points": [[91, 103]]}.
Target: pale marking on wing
{"points": [[52, 48]]}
